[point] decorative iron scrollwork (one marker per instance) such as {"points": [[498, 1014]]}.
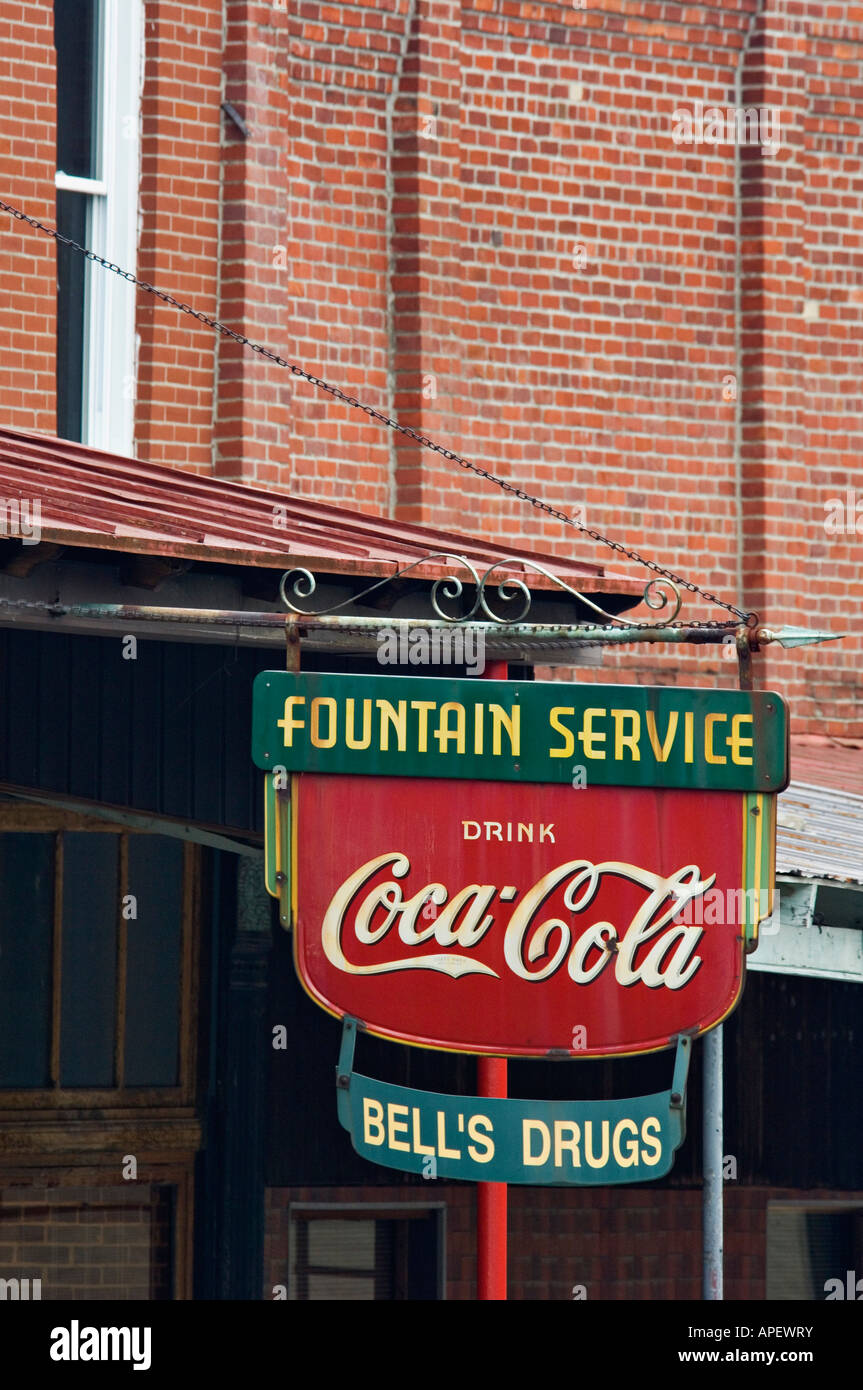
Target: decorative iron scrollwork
{"points": [[658, 593]]}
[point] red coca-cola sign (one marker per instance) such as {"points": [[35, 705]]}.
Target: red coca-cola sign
{"points": [[525, 919]]}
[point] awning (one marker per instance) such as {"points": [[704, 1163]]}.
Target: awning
{"points": [[820, 815], [103, 501], [815, 929]]}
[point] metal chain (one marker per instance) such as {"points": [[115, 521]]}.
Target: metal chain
{"points": [[751, 619]]}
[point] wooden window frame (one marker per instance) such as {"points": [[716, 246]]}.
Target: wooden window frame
{"points": [[40, 820]]}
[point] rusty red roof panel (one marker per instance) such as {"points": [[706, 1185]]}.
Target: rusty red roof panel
{"points": [[820, 814], [90, 498], [820, 761]]}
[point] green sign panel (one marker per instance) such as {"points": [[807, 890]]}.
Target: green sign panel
{"points": [[535, 1142], [520, 731]]}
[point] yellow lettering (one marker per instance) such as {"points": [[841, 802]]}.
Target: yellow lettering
{"points": [[474, 1124], [512, 723], [560, 1143], [397, 1126], [589, 735], [569, 738], [350, 736], [397, 716], [289, 723], [418, 1146], [527, 1154], [736, 741], [373, 1115], [632, 1145], [422, 707], [588, 1144], [327, 702], [661, 752], [628, 740], [646, 1138], [687, 736], [443, 1151], [709, 722], [444, 733]]}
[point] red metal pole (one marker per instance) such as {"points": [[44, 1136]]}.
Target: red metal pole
{"points": [[491, 1229], [491, 1201]]}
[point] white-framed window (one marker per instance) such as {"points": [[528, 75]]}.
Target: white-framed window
{"points": [[99, 46]]}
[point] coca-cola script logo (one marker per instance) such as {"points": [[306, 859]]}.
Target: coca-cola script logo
{"points": [[509, 919], [466, 917]]}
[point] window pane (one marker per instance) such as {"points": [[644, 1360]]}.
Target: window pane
{"points": [[75, 42], [348, 1244], [805, 1249], [71, 274], [327, 1288], [91, 904], [26, 932], [377, 1257], [153, 946]]}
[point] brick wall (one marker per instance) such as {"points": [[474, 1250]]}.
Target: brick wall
{"points": [[180, 231], [802, 293], [476, 214], [87, 1243], [344, 70], [625, 1243], [28, 305], [659, 333]]}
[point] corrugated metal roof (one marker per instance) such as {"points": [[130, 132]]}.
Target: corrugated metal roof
{"points": [[94, 499], [819, 818]]}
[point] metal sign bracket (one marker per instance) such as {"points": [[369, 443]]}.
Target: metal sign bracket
{"points": [[491, 1139], [682, 1055]]}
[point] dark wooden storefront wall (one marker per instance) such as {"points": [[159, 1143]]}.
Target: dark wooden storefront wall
{"points": [[169, 733]]}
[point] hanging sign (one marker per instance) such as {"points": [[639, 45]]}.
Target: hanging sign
{"points": [[519, 869], [520, 731], [587, 1142], [526, 920]]}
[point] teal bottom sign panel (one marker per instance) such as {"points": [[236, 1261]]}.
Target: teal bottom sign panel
{"points": [[535, 1142]]}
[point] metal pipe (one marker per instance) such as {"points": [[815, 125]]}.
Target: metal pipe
{"points": [[307, 625], [739, 352], [712, 1195], [366, 628], [491, 1197]]}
